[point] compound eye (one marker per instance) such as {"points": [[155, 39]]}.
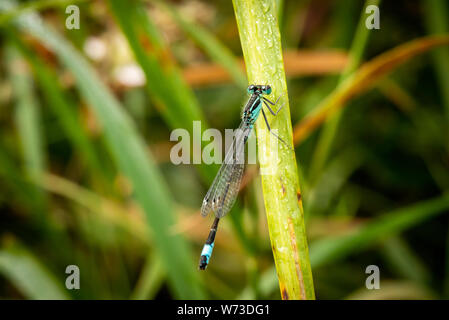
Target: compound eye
{"points": [[251, 88], [266, 89]]}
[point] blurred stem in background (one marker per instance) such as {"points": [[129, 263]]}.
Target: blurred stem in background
{"points": [[437, 20], [65, 110], [330, 127], [28, 123], [172, 97], [209, 43], [150, 280], [365, 78], [34, 6], [260, 40], [405, 261], [29, 274]]}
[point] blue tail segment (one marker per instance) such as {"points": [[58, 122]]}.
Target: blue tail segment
{"points": [[205, 255], [208, 246]]}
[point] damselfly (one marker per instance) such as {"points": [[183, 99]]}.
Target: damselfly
{"points": [[225, 187]]}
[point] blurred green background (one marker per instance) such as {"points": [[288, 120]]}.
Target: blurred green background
{"points": [[85, 171]]}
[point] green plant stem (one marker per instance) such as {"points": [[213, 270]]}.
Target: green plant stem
{"points": [[261, 45]]}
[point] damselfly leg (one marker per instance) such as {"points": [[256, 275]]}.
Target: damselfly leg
{"points": [[274, 134], [266, 102]]}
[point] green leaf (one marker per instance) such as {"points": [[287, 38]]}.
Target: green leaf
{"points": [[29, 275]]}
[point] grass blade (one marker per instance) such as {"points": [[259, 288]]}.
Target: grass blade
{"points": [[330, 128], [150, 280], [405, 261], [28, 275], [23, 193], [32, 6], [362, 80], [173, 98], [63, 108], [27, 115], [28, 123], [437, 19]]}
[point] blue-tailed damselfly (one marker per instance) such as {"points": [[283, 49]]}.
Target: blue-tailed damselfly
{"points": [[225, 187]]}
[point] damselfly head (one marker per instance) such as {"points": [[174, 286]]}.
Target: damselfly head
{"points": [[260, 89], [266, 89]]}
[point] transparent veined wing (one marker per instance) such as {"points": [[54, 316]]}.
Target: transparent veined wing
{"points": [[225, 187]]}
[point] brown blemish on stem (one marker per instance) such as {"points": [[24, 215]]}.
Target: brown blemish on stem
{"points": [[284, 190], [291, 229], [284, 294], [298, 195]]}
